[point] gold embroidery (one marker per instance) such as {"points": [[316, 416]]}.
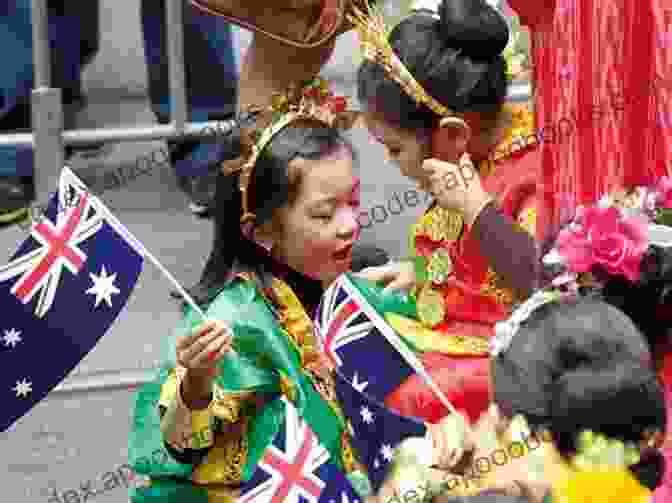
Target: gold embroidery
{"points": [[520, 135], [430, 340], [440, 266], [227, 405], [439, 224], [431, 306], [349, 461], [527, 219], [299, 327], [225, 460], [222, 495], [287, 387], [492, 287], [296, 323]]}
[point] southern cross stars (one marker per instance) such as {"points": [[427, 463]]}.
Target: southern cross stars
{"points": [[359, 386], [11, 337], [387, 452], [366, 414], [103, 287], [23, 387]]}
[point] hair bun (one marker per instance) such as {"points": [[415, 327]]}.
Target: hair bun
{"points": [[591, 396], [474, 27]]}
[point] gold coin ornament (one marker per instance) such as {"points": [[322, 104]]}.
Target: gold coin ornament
{"points": [[439, 224], [431, 306], [440, 266]]}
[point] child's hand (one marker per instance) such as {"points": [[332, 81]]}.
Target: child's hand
{"points": [[201, 351]]}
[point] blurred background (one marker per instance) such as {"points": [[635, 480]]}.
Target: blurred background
{"points": [[113, 73]]}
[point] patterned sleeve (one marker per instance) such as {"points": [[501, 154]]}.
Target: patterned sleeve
{"points": [[512, 253], [187, 434]]}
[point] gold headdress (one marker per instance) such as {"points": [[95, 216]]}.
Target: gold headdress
{"points": [[312, 100], [373, 35]]}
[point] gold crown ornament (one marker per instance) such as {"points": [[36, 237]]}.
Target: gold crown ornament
{"points": [[312, 100], [373, 36]]}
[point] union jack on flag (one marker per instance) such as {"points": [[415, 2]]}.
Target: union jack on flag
{"points": [[59, 248], [296, 469], [60, 293], [356, 339]]}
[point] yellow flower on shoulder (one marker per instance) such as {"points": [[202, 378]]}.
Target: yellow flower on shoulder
{"points": [[616, 485]]}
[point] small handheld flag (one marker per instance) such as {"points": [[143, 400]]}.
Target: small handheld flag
{"points": [[363, 346], [377, 431], [59, 294], [296, 468]]}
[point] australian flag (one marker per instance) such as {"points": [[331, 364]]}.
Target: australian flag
{"points": [[377, 431], [296, 468], [60, 293], [359, 342]]}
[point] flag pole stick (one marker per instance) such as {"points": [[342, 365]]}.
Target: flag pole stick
{"points": [[412, 360]]}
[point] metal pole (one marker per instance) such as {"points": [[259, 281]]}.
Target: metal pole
{"points": [[175, 42], [46, 107], [40, 43], [117, 135]]}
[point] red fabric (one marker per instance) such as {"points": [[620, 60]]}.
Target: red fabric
{"points": [[603, 75], [466, 381]]}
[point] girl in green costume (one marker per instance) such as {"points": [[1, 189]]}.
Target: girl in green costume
{"points": [[217, 402]]}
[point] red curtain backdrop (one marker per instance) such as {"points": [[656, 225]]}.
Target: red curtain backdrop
{"points": [[603, 91]]}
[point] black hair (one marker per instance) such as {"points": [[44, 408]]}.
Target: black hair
{"points": [[583, 365], [648, 302], [272, 187], [457, 59]]}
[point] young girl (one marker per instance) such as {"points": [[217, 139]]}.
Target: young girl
{"points": [[574, 367], [435, 88], [291, 223]]}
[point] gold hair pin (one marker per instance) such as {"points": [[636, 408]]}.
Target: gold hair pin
{"points": [[373, 36], [312, 100]]}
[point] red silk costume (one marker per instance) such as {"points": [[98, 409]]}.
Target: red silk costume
{"points": [[470, 299]]}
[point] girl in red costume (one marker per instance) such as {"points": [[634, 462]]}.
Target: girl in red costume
{"points": [[436, 89]]}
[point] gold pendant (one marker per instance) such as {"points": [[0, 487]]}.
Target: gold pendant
{"points": [[440, 266], [431, 306], [439, 224]]}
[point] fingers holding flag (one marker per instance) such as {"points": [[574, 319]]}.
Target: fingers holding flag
{"points": [[202, 350]]}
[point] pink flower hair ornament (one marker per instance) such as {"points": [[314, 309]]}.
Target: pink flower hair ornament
{"points": [[614, 235], [608, 239]]}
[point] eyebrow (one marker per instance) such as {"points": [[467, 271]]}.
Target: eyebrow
{"points": [[334, 199]]}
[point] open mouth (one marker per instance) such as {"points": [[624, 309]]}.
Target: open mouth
{"points": [[343, 253]]}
